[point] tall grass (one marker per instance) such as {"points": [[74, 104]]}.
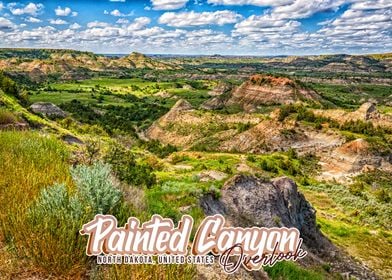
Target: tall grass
{"points": [[28, 163]]}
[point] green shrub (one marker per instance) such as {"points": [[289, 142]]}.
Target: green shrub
{"points": [[155, 147], [382, 195], [357, 188], [251, 158], [128, 169], [292, 154], [7, 117], [95, 187], [8, 85], [241, 127], [285, 111]]}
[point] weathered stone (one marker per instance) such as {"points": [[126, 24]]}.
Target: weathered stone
{"points": [[211, 175], [48, 109], [248, 201]]}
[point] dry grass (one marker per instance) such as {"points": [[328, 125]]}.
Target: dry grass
{"points": [[28, 163], [7, 117], [149, 272]]}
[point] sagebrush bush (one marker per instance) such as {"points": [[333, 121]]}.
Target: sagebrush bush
{"points": [[96, 187], [58, 214]]}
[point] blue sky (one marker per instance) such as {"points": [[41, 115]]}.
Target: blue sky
{"points": [[230, 27]]}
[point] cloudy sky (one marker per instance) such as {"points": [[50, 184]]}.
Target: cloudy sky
{"points": [[237, 27]]}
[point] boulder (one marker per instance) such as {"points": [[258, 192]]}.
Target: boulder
{"points": [[248, 201], [48, 109]]}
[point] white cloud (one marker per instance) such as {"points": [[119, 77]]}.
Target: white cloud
{"points": [[117, 1], [168, 4], [75, 26], [372, 5], [265, 24], [304, 8], [122, 21], [6, 24], [260, 3], [97, 24], [60, 12], [206, 37], [198, 19], [365, 25], [139, 23], [57, 21], [33, 20], [1, 6], [31, 9], [117, 13]]}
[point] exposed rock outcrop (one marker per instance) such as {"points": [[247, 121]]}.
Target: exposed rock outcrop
{"points": [[215, 103], [248, 201], [367, 111], [220, 89], [351, 159], [20, 126], [268, 90], [138, 60], [70, 64], [270, 135], [211, 175], [183, 126], [48, 109]]}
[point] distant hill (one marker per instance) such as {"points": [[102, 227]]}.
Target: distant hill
{"points": [[38, 64]]}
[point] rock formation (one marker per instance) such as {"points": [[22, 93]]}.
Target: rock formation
{"points": [[367, 111], [48, 109], [183, 126], [248, 201], [220, 89], [268, 90]]}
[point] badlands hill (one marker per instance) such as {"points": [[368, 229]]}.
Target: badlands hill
{"points": [[69, 64], [263, 89]]}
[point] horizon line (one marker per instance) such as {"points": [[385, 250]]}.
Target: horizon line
{"points": [[190, 54]]}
